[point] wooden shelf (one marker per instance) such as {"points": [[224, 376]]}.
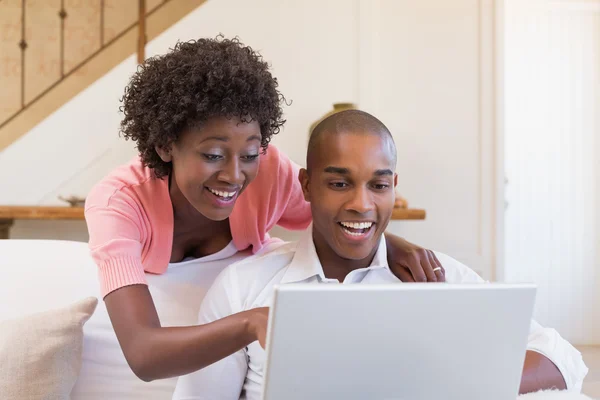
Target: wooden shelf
{"points": [[10, 213], [408, 213], [41, 212], [76, 213]]}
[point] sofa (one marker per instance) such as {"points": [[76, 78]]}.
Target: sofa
{"points": [[56, 339], [47, 281]]}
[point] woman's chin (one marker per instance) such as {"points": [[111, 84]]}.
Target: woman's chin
{"points": [[213, 213]]}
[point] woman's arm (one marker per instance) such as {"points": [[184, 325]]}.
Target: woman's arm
{"points": [[154, 352]]}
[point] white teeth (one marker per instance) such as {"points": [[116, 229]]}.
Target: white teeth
{"points": [[357, 225], [221, 193], [353, 233]]}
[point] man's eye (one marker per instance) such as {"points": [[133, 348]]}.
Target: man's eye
{"points": [[339, 185], [212, 157], [381, 186]]}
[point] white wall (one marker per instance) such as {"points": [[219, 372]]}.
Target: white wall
{"points": [[424, 67], [552, 103], [431, 75]]}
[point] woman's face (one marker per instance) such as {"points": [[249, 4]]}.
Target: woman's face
{"points": [[213, 164]]}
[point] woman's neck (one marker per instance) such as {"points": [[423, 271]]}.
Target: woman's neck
{"points": [[194, 235], [184, 213]]}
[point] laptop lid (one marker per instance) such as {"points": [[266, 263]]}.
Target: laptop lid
{"points": [[402, 341]]}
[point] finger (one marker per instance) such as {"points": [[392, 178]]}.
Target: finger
{"points": [[404, 275], [416, 268], [428, 267], [263, 343], [440, 273]]}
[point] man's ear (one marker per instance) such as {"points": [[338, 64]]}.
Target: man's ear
{"points": [[304, 182], [395, 179], [164, 154]]}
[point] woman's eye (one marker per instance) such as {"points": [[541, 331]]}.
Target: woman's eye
{"points": [[250, 157], [212, 157]]}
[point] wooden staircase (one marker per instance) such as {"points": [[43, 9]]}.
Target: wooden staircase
{"points": [[51, 50]]}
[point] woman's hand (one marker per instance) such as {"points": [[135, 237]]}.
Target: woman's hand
{"points": [[259, 321], [156, 352], [411, 263]]}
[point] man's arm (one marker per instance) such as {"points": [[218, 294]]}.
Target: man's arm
{"points": [[225, 378], [550, 362], [540, 373]]}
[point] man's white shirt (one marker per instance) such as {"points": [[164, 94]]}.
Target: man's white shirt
{"points": [[250, 284]]}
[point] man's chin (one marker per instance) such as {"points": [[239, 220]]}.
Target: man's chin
{"points": [[354, 252]]}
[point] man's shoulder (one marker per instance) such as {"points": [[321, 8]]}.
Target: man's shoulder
{"points": [[456, 271], [245, 280], [271, 259]]}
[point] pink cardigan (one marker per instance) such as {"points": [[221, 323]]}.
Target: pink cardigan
{"points": [[129, 215]]}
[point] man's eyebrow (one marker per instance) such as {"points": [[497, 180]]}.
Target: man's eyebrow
{"points": [[337, 170], [383, 172], [346, 171]]}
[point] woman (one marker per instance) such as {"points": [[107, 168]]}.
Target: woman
{"points": [[202, 117]]}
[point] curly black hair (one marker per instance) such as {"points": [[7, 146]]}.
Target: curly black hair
{"points": [[197, 80]]}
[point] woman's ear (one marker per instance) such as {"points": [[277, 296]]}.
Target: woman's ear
{"points": [[304, 182], [164, 154]]}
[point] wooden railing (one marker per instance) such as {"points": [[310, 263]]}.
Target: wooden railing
{"points": [[42, 42]]}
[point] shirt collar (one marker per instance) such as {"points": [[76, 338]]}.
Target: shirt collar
{"points": [[305, 264]]}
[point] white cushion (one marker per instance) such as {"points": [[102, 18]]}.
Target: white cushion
{"points": [[43, 274], [39, 275]]}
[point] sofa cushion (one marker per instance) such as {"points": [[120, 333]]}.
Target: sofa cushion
{"points": [[41, 353]]}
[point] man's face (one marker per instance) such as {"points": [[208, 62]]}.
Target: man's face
{"points": [[351, 191]]}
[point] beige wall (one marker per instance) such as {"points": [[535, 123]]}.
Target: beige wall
{"points": [[424, 67]]}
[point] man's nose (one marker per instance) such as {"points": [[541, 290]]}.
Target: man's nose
{"points": [[361, 201]]}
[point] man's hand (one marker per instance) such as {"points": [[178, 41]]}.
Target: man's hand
{"points": [[411, 263], [258, 324]]}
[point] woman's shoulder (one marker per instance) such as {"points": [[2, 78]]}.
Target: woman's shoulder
{"points": [[276, 172], [130, 182]]}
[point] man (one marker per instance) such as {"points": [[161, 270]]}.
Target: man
{"points": [[350, 183]]}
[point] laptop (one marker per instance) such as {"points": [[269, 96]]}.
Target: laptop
{"points": [[397, 342]]}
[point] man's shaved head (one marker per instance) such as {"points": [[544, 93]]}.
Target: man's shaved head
{"points": [[349, 182], [347, 122]]}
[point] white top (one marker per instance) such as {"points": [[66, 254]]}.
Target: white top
{"points": [[250, 283], [225, 252]]}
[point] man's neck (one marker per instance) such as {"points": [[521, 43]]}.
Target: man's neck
{"points": [[335, 266]]}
